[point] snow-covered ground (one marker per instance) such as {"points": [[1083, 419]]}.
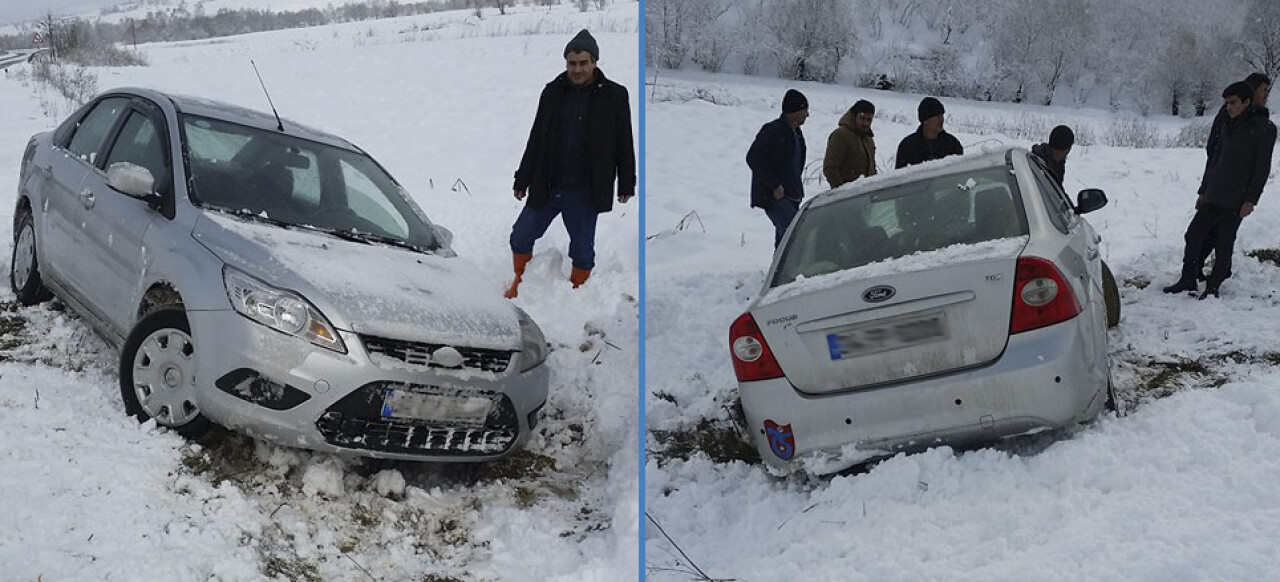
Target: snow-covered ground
{"points": [[445, 103], [1180, 489]]}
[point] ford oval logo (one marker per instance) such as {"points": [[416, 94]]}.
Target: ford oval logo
{"points": [[447, 357], [878, 293]]}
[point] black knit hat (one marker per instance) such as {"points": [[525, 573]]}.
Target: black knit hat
{"points": [[1061, 138], [930, 107], [863, 106], [584, 42], [794, 101]]}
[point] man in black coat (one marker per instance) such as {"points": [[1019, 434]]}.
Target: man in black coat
{"points": [[580, 142], [1229, 189], [777, 159], [930, 141], [1054, 153], [1261, 89]]}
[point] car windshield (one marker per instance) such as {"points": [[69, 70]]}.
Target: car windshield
{"points": [[290, 181], [961, 208]]}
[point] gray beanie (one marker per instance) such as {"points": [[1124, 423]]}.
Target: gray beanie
{"points": [[584, 42]]}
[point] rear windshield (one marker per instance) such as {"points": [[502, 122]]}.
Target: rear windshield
{"points": [[961, 208]]}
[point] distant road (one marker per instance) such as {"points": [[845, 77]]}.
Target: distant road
{"points": [[15, 57]]}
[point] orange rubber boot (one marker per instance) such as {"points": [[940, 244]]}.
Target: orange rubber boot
{"points": [[579, 276], [518, 261]]}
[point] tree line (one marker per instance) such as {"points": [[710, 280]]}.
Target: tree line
{"points": [[1172, 56]]}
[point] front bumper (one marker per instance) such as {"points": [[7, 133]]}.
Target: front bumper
{"points": [[332, 402], [1046, 379]]}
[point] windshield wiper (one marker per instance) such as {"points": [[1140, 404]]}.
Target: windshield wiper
{"points": [[370, 238], [351, 235]]}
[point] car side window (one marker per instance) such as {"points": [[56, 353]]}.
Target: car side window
{"points": [[1059, 212], [93, 129], [140, 143]]}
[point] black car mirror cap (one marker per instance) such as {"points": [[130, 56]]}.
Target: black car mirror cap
{"points": [[1090, 199]]}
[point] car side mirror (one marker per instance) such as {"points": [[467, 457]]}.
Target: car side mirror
{"points": [[1089, 200], [131, 180], [444, 240]]}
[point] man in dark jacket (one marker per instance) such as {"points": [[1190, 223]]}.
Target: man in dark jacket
{"points": [[580, 142], [1229, 189], [1055, 152], [1261, 89], [930, 141], [776, 159], [851, 149]]}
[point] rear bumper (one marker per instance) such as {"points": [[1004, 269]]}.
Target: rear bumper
{"points": [[1046, 379]]}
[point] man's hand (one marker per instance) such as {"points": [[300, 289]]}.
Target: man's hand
{"points": [[623, 198], [1246, 210], [778, 192], [519, 194]]}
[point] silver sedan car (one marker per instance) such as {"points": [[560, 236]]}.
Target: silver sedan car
{"points": [[958, 302], [273, 279]]}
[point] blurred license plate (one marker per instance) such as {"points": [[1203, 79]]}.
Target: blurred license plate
{"points": [[470, 410], [882, 337]]}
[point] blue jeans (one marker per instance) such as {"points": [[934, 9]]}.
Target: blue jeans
{"points": [[579, 215], [780, 213]]}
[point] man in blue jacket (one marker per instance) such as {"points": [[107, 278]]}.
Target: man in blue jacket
{"points": [[777, 159]]}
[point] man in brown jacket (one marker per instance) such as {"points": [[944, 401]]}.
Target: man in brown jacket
{"points": [[851, 149]]}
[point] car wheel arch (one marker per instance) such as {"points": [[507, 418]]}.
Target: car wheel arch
{"points": [[160, 295]]}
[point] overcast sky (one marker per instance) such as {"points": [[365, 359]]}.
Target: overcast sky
{"points": [[20, 10]]}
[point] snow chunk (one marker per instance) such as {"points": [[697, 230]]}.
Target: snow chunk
{"points": [[389, 483], [323, 479]]}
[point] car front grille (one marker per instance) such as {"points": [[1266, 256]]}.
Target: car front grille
{"points": [[419, 354], [356, 422]]}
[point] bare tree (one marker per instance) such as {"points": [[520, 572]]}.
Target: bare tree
{"points": [[1261, 49], [810, 37], [675, 27]]}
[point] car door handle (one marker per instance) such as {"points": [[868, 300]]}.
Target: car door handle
{"points": [[46, 171], [1093, 254], [86, 198]]}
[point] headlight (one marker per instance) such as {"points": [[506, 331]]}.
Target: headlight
{"points": [[280, 310], [533, 345]]}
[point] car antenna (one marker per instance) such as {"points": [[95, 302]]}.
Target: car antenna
{"points": [[279, 124]]}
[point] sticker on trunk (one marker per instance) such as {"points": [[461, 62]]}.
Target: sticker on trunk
{"points": [[781, 440], [885, 336]]}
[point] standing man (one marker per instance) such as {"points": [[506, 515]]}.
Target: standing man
{"points": [[1055, 152], [851, 149], [930, 141], [580, 142], [776, 159], [1229, 189], [1261, 85]]}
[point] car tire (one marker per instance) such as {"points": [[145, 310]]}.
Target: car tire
{"points": [[24, 269], [1110, 296], [158, 373]]}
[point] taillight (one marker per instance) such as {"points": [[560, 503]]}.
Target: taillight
{"points": [[1041, 296], [752, 359]]}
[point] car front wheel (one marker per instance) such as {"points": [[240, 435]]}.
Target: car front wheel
{"points": [[158, 373], [24, 270]]}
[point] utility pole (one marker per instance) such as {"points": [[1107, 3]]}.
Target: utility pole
{"points": [[133, 26]]}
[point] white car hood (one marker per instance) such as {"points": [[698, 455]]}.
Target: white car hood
{"points": [[369, 289]]}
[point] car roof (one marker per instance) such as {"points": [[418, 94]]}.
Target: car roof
{"points": [[236, 114], [981, 158]]}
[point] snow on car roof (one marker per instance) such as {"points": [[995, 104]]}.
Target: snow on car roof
{"points": [[238, 114], [984, 156]]}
